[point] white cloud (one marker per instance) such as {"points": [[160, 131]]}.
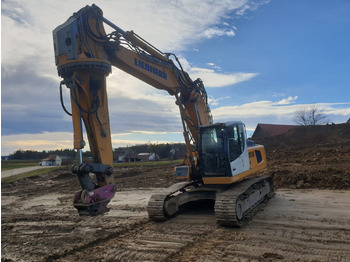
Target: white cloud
{"points": [[212, 32], [252, 6], [215, 101], [242, 10], [335, 109], [214, 66], [287, 101], [214, 79], [259, 109]]}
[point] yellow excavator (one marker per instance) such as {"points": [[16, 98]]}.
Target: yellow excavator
{"points": [[220, 163]]}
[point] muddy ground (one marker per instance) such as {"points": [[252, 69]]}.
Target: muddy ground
{"points": [[307, 220]]}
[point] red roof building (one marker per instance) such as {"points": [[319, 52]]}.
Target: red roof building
{"points": [[51, 160], [267, 130]]}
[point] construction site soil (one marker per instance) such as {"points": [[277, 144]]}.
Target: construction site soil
{"points": [[307, 220]]}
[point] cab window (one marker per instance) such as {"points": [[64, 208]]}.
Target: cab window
{"points": [[236, 146]]}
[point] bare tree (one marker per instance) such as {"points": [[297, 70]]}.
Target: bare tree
{"points": [[310, 115]]}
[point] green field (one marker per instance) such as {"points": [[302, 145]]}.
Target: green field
{"points": [[30, 174], [12, 164]]}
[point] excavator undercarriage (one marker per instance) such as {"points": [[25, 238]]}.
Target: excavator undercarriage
{"points": [[233, 203]]}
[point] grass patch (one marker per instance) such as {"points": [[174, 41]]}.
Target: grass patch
{"points": [[13, 164], [30, 174]]}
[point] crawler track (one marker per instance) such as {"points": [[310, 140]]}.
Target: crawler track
{"points": [[236, 204], [155, 207], [233, 205]]}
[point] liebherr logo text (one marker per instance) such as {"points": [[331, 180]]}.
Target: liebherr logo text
{"points": [[150, 68]]}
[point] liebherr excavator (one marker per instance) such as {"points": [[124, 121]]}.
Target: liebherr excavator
{"points": [[219, 163]]}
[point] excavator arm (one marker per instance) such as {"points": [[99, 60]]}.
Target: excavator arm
{"points": [[84, 55]]}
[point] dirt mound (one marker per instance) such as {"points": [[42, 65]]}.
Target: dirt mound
{"points": [[310, 136], [140, 177], [310, 157], [64, 175]]}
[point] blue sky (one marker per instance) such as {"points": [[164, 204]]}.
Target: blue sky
{"points": [[260, 62], [298, 48]]}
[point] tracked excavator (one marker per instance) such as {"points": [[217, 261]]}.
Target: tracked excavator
{"points": [[220, 163]]}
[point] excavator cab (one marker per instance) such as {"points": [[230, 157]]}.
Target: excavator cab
{"points": [[223, 150], [225, 156]]}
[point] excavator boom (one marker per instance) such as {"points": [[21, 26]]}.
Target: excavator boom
{"points": [[84, 55]]}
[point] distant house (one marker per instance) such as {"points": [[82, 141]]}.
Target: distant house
{"points": [[130, 158], [118, 157], [51, 160], [148, 156], [140, 157], [267, 130]]}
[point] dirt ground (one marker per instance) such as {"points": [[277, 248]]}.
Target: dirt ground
{"points": [[307, 220]]}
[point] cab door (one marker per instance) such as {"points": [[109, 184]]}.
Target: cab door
{"points": [[237, 147]]}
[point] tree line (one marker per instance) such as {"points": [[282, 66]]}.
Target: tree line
{"points": [[38, 155], [162, 150]]}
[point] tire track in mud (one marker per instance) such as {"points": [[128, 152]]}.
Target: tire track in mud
{"points": [[45, 226], [151, 241], [252, 244], [52, 237], [96, 242], [275, 235]]}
